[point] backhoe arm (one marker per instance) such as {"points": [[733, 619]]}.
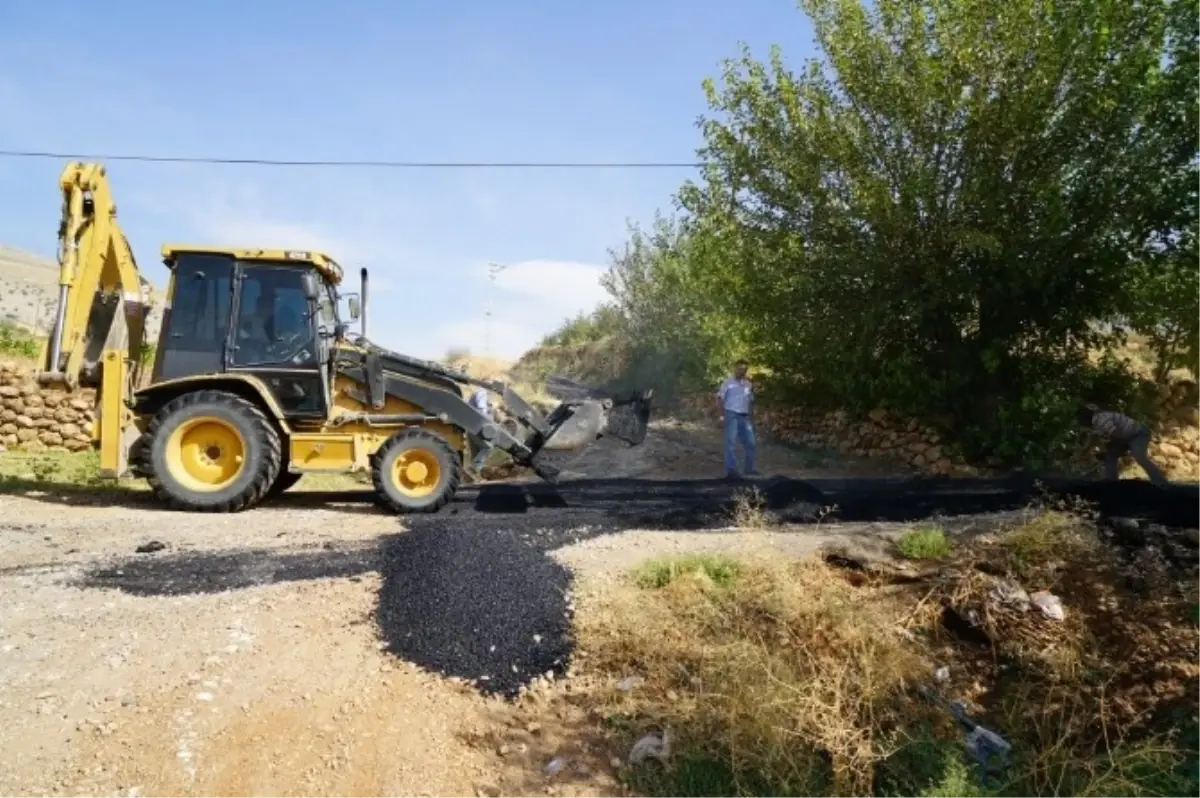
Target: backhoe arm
{"points": [[99, 324]]}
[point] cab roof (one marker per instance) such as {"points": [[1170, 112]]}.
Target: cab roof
{"points": [[327, 266]]}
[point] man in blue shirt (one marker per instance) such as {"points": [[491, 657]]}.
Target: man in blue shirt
{"points": [[735, 400]]}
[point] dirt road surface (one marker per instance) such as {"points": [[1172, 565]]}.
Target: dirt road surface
{"points": [[321, 646]]}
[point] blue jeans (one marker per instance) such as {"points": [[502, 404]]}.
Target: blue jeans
{"points": [[739, 427]]}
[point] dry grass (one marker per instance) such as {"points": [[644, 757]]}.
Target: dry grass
{"points": [[479, 366], [785, 673], [493, 368], [1139, 356], [750, 510], [786, 679], [595, 362]]}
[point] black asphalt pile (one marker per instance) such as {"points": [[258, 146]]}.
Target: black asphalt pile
{"points": [[469, 592], [917, 498], [192, 573], [617, 504], [481, 605]]}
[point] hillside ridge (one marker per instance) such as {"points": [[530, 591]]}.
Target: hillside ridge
{"points": [[29, 292]]}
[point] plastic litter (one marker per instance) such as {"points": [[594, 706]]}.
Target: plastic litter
{"points": [[652, 746], [1010, 595], [630, 683], [989, 750], [1050, 605]]}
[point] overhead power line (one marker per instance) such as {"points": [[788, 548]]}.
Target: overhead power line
{"points": [[352, 164]]}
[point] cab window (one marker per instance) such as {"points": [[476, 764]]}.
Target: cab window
{"points": [[196, 325], [275, 325]]}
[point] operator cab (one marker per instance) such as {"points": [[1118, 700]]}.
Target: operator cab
{"points": [[269, 314]]}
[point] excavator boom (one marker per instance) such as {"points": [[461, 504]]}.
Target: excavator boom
{"points": [[99, 324]]}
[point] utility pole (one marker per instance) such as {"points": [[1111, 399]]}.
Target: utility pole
{"points": [[493, 270]]}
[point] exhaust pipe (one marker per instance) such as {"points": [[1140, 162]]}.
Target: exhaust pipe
{"points": [[362, 276]]}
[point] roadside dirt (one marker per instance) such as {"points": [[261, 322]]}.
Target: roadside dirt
{"points": [[691, 450], [317, 646], [280, 684]]}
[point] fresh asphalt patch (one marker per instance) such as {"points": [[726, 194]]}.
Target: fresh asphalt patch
{"points": [[469, 592]]}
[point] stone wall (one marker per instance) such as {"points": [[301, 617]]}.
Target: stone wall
{"points": [[912, 446], [35, 419]]}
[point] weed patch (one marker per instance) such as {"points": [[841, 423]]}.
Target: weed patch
{"points": [[750, 509], [659, 573], [62, 471], [785, 676], [785, 679], [17, 343], [925, 543]]}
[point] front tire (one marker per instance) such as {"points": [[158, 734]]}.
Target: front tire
{"points": [[212, 451], [415, 471]]}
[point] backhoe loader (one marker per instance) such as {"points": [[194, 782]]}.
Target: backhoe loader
{"points": [[256, 380]]}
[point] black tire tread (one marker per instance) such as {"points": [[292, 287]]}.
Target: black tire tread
{"points": [[261, 427], [428, 438], [282, 483]]}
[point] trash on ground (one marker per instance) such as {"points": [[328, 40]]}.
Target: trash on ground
{"points": [[1009, 594], [630, 683], [1050, 605], [652, 746]]}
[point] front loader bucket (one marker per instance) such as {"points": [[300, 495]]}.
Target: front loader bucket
{"points": [[576, 425], [587, 414]]}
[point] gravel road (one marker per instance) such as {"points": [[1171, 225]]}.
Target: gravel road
{"points": [[319, 646]]}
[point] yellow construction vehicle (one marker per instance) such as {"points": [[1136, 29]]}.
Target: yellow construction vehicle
{"points": [[256, 380]]}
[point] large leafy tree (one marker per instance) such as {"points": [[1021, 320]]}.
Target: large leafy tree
{"points": [[669, 290], [947, 211]]}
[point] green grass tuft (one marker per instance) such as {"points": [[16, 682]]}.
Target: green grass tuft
{"points": [[658, 573], [924, 543]]}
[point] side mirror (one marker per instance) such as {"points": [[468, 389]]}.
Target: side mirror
{"points": [[312, 286], [355, 307]]}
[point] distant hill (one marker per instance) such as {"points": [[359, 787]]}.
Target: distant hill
{"points": [[29, 292]]}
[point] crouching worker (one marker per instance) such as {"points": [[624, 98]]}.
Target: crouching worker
{"points": [[482, 402], [1122, 434]]}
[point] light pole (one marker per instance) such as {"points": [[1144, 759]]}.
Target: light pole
{"points": [[493, 270]]}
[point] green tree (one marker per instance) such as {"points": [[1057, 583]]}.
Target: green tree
{"points": [[944, 214], [668, 285], [1163, 303], [603, 322]]}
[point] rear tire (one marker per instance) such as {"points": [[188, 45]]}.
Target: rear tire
{"points": [[415, 471], [211, 451]]}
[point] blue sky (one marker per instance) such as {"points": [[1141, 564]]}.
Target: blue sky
{"points": [[458, 80]]}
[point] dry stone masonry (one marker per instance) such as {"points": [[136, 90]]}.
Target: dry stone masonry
{"points": [[1175, 446], [35, 419]]}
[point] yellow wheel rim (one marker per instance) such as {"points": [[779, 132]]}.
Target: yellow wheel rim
{"points": [[205, 454], [416, 473]]}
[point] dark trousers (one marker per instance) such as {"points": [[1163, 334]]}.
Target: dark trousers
{"points": [[1137, 446]]}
